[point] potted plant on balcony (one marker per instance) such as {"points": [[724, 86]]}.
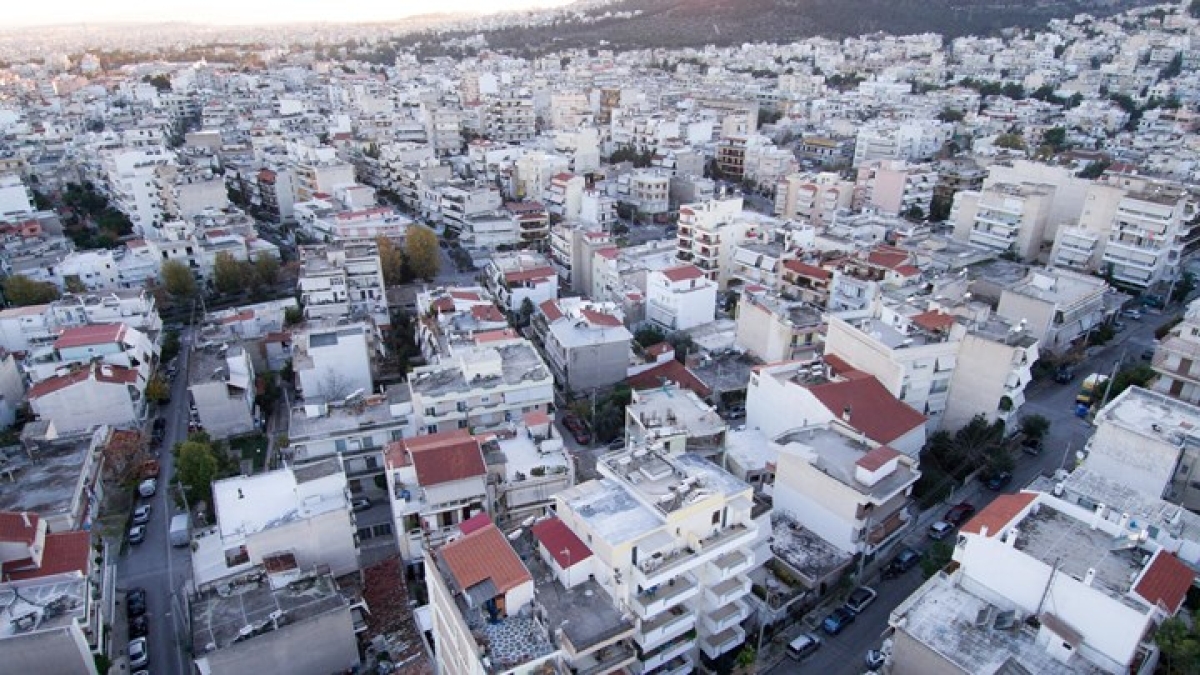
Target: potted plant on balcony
{"points": [[745, 663]]}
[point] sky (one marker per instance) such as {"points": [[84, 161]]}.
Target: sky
{"points": [[234, 12]]}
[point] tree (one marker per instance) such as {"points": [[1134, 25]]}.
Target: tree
{"points": [[939, 555], [170, 345], [196, 467], [21, 291], [1035, 426], [648, 335], [158, 390], [1055, 137], [178, 279], [1010, 142], [73, 284], [229, 274], [391, 259], [421, 248], [950, 115], [914, 213], [292, 316], [1094, 169], [124, 452], [160, 82], [266, 270], [1180, 645]]}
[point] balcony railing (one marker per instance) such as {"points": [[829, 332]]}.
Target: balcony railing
{"points": [[671, 624], [666, 652], [716, 645], [726, 617], [605, 660], [726, 592], [660, 598]]}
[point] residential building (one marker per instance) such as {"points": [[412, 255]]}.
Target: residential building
{"points": [[222, 387], [485, 386], [58, 475], [1176, 360], [113, 344], [564, 196], [815, 198], [516, 277], [708, 233], [12, 389], [281, 611], [318, 171], [895, 187], [1058, 307], [332, 362], [355, 431], [55, 620], [675, 418], [527, 465], [680, 298], [644, 191], [1042, 585], [1005, 217], [805, 282], [511, 118], [572, 247], [343, 280], [586, 344], [89, 395], [774, 329], [303, 512]]}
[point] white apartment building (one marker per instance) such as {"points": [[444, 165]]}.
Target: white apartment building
{"points": [[680, 298], [852, 494], [815, 198], [12, 389], [572, 250], [129, 180], [516, 277], [511, 118], [1045, 586], [188, 192], [456, 202], [707, 235], [113, 344], [332, 361], [302, 511], [533, 172], [774, 329], [671, 538], [484, 386], [319, 173], [27, 328], [1004, 217], [343, 280], [894, 187], [90, 395], [1177, 359], [16, 200], [646, 191], [222, 386], [564, 196], [911, 140], [1059, 307]]}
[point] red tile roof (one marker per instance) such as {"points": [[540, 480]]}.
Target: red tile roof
{"points": [[600, 318], [672, 371], [997, 515], [934, 320], [445, 457], [476, 522], [1165, 581], [535, 418], [495, 336], [875, 459], [443, 305], [531, 274], [551, 310], [873, 409], [564, 545], [683, 273], [13, 528], [908, 270], [485, 554], [840, 366], [807, 270], [658, 349], [64, 552], [609, 252], [103, 373], [92, 334], [886, 256], [486, 313], [469, 296]]}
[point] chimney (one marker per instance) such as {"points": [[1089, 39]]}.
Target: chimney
{"points": [[1012, 537], [1090, 576], [983, 531], [1097, 516], [1124, 521], [25, 517], [846, 413]]}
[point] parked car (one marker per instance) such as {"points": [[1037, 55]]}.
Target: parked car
{"points": [[141, 515], [139, 626], [1148, 355], [137, 534], [578, 429], [997, 480], [1134, 314], [1031, 446], [959, 513], [135, 602], [875, 659], [735, 412], [803, 646], [939, 530], [360, 504], [905, 560], [837, 621], [148, 487], [1064, 374], [139, 655], [860, 599]]}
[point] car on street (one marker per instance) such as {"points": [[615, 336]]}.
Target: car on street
{"points": [[360, 504], [837, 621], [1134, 314], [578, 429], [1148, 355], [905, 560], [939, 530], [141, 515], [137, 534], [860, 599], [997, 480], [139, 626], [1064, 374], [135, 602], [1031, 446], [139, 654], [959, 513], [803, 646], [148, 487]]}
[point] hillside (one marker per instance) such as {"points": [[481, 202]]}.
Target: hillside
{"points": [[694, 23]]}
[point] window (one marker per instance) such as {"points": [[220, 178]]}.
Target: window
{"points": [[340, 445], [716, 517]]}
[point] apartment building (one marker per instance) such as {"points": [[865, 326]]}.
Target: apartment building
{"points": [[1059, 307], [87, 395], [114, 344], [301, 511], [484, 386], [221, 382], [1045, 586], [812, 197], [516, 277], [332, 361], [319, 173], [59, 475], [680, 298], [859, 279], [532, 224], [186, 192], [645, 191], [851, 493], [670, 537], [1175, 359], [675, 418], [564, 196], [1005, 217], [572, 246], [57, 622], [805, 282], [894, 187], [708, 233], [910, 140], [129, 181], [456, 202], [12, 389], [774, 329], [586, 344], [343, 280]]}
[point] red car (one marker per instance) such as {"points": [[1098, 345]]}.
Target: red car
{"points": [[959, 513], [578, 429]]}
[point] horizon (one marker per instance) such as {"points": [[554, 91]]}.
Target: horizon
{"points": [[228, 13]]}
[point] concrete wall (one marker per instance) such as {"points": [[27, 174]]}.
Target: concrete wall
{"points": [[597, 365], [761, 334], [326, 539], [62, 651], [978, 382], [1134, 460], [817, 501], [912, 657], [222, 415], [85, 405], [318, 646], [457, 653]]}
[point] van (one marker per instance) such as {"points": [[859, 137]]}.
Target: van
{"points": [[803, 646]]}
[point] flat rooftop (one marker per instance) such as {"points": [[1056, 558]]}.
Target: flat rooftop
{"points": [[42, 606], [344, 419], [836, 456], [218, 620], [725, 371], [246, 505], [804, 550], [670, 482], [942, 617], [610, 510], [519, 362], [669, 410], [750, 448], [48, 485], [585, 612], [1152, 415], [522, 454]]}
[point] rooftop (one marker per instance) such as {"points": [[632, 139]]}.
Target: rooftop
{"points": [[245, 610], [670, 482], [344, 419], [1087, 487], [246, 505], [803, 550], [511, 364], [610, 510], [48, 482], [839, 457], [1152, 415], [750, 448], [585, 613], [523, 453], [666, 410], [42, 605], [944, 617]]}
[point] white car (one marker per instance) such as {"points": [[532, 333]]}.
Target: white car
{"points": [[141, 515], [939, 530], [139, 654], [148, 487]]}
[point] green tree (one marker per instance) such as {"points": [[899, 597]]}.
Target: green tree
{"points": [[914, 212], [391, 259], [292, 316], [421, 250], [196, 467], [157, 390], [1010, 142], [1179, 643], [170, 345], [648, 335], [1183, 288], [938, 556], [1095, 169], [266, 270], [160, 82], [1035, 426], [178, 279], [1055, 137], [950, 115], [21, 291], [229, 273]]}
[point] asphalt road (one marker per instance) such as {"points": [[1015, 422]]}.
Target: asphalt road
{"points": [[155, 565], [845, 653]]}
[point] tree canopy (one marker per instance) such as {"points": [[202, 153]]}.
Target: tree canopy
{"points": [[196, 467], [421, 247], [21, 291], [178, 279]]}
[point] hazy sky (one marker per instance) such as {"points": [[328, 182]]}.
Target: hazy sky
{"points": [[24, 12]]}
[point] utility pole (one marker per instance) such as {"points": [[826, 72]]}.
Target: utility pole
{"points": [[1108, 389]]}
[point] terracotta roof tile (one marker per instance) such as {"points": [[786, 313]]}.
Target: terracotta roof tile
{"points": [[13, 528], [445, 457], [1165, 581], [551, 310], [64, 552], [873, 409], [600, 318], [682, 273], [532, 274], [476, 522], [481, 555], [495, 336], [804, 269], [934, 320], [564, 545], [877, 458], [486, 313], [672, 371], [92, 334], [997, 515], [103, 373]]}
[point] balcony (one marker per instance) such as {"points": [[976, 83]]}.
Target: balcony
{"points": [[677, 666], [661, 598], [725, 617], [726, 592], [605, 660], [672, 623], [724, 541], [716, 645], [667, 652]]}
